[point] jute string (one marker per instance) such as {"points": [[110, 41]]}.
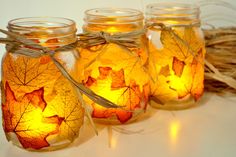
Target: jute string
{"points": [[18, 44]]}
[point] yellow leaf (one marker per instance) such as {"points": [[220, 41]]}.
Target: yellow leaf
{"points": [[182, 43], [66, 104], [26, 74]]}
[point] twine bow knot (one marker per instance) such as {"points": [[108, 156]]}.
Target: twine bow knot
{"points": [[18, 44]]}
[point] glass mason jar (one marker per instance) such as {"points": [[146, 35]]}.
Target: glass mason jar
{"points": [[176, 52], [40, 107], [115, 72]]}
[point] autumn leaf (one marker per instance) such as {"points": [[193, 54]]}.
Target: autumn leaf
{"points": [[26, 74], [118, 79], [111, 84], [191, 81], [197, 87], [161, 92], [165, 71], [177, 66], [25, 118], [131, 98], [181, 43], [104, 72], [66, 104], [183, 52]]}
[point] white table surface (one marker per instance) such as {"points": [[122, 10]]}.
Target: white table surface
{"points": [[208, 130]]}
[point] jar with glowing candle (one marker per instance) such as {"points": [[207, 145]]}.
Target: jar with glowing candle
{"points": [[176, 55], [115, 72], [40, 107]]}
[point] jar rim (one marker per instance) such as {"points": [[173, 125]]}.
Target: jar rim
{"points": [[175, 9], [45, 28], [174, 5], [121, 14], [50, 23]]}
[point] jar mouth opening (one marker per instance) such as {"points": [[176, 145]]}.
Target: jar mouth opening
{"points": [[175, 5], [40, 22], [165, 9], [49, 31], [119, 15]]}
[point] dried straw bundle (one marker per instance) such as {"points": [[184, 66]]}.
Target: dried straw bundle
{"points": [[220, 69]]}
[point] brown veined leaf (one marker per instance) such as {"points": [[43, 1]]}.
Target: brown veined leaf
{"points": [[182, 43], [26, 74], [130, 96], [173, 46], [177, 66], [26, 120], [66, 104], [161, 93]]}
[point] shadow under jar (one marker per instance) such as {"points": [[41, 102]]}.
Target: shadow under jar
{"points": [[40, 107], [176, 52], [113, 71]]}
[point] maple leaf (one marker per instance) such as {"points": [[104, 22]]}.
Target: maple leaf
{"points": [[112, 72], [182, 43], [191, 81], [111, 85], [161, 92], [25, 74], [178, 65], [24, 117], [66, 104]]}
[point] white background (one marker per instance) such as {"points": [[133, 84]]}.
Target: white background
{"points": [[74, 9], [204, 131]]}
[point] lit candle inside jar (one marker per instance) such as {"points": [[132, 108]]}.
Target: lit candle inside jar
{"points": [[115, 71], [176, 55], [40, 107]]}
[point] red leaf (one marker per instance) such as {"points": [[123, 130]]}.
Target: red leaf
{"points": [[123, 116], [104, 72], [90, 81], [25, 118], [36, 98], [178, 66], [53, 40], [44, 59]]}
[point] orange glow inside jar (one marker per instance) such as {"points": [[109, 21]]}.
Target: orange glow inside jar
{"points": [[113, 71], [176, 55]]}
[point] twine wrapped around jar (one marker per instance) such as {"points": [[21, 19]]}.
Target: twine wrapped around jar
{"points": [[225, 79], [15, 44]]}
